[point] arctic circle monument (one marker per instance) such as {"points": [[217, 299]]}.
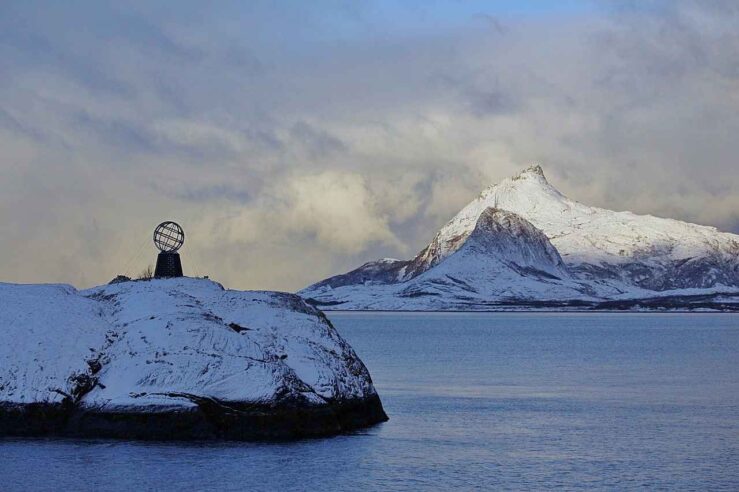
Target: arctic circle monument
{"points": [[168, 238]]}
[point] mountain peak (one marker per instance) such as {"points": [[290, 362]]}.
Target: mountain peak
{"points": [[492, 215], [521, 187], [531, 171], [506, 237], [496, 220]]}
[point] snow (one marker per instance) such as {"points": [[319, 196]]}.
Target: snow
{"points": [[584, 234], [593, 253], [48, 331], [163, 342], [504, 258]]}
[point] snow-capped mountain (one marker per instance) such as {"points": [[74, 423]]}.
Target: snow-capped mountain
{"points": [[641, 250], [175, 358], [545, 247]]}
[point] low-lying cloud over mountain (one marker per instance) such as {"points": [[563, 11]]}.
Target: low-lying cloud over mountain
{"points": [[294, 140]]}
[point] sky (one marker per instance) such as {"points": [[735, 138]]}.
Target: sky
{"points": [[297, 140]]}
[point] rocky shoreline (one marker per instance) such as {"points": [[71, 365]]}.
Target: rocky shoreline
{"points": [[210, 420]]}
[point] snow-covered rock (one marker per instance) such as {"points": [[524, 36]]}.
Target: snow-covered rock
{"points": [[175, 358], [591, 255]]}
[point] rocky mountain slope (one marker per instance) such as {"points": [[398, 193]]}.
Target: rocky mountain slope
{"points": [[177, 358], [595, 255]]}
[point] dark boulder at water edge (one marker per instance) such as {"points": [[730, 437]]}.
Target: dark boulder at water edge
{"points": [[175, 359]]}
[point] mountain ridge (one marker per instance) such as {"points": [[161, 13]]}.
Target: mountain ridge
{"points": [[609, 254]]}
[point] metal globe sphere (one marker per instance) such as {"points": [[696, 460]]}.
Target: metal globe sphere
{"points": [[169, 237]]}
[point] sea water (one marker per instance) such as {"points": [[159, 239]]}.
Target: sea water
{"points": [[476, 401]]}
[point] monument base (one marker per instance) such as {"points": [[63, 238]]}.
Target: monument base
{"points": [[168, 265]]}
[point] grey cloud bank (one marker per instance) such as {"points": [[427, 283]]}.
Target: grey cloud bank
{"points": [[294, 142]]}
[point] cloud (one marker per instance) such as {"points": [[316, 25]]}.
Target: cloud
{"points": [[337, 209], [294, 142], [334, 209]]}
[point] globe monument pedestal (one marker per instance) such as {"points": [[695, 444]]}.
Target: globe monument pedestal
{"points": [[168, 265], [168, 237]]}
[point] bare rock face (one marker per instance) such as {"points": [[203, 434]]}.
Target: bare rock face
{"points": [[175, 359], [593, 255], [514, 241]]}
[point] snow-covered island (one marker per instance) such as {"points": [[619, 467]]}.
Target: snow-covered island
{"points": [[524, 245], [176, 358]]}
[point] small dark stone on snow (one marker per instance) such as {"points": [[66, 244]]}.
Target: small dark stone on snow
{"points": [[119, 279], [237, 328]]}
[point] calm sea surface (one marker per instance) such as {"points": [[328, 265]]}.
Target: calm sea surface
{"points": [[476, 401]]}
